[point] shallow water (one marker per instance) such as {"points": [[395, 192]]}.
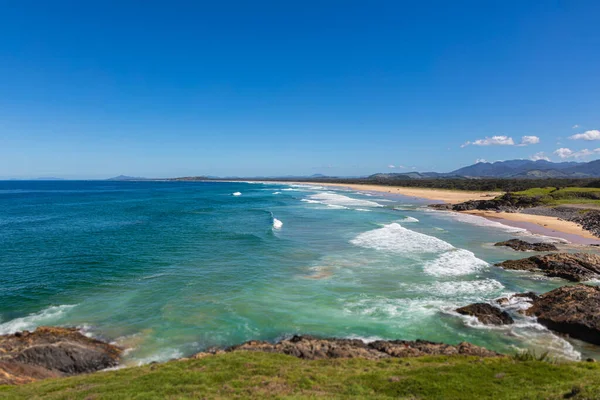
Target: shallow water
{"points": [[166, 269]]}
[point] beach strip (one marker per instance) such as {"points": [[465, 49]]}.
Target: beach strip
{"points": [[549, 226]]}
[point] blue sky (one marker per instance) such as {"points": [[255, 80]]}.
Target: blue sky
{"points": [[158, 89]]}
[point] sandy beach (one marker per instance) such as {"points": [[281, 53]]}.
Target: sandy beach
{"points": [[439, 195], [550, 226]]}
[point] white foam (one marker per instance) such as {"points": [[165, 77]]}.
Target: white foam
{"points": [[277, 224], [48, 316], [276, 192], [409, 219], [476, 289], [236, 194], [397, 239], [455, 262], [336, 199], [401, 311], [308, 187], [476, 220], [362, 209], [161, 356]]}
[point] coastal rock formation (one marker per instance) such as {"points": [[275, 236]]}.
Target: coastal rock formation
{"points": [[589, 220], [486, 314], [508, 202], [311, 348], [574, 310], [521, 245], [51, 352], [573, 267]]}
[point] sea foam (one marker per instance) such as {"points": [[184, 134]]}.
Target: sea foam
{"points": [[454, 262], [47, 316], [236, 194], [335, 199], [277, 224], [395, 238]]}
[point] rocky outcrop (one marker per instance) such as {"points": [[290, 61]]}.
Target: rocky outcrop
{"points": [[521, 245], [486, 314], [573, 310], [311, 348], [589, 220], [573, 267], [51, 352]]}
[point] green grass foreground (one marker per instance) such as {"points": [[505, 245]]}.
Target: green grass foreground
{"points": [[248, 375]]}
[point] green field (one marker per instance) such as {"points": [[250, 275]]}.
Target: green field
{"points": [[247, 375], [569, 195]]}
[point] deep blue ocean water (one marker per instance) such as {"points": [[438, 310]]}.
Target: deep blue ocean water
{"points": [[166, 269]]}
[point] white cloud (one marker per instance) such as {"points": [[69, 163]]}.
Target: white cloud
{"points": [[480, 160], [391, 166], [539, 156], [526, 140], [575, 126], [502, 140], [587, 135], [494, 141], [564, 152]]}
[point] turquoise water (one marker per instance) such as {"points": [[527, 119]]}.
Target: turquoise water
{"points": [[166, 269]]}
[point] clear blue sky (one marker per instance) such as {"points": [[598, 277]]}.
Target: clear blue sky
{"points": [[91, 89]]}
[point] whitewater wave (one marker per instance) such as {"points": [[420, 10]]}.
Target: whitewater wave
{"points": [[475, 220], [454, 262], [477, 290], [276, 192], [404, 311], [160, 356], [395, 238], [409, 219], [236, 194], [277, 224], [335, 199], [48, 316]]}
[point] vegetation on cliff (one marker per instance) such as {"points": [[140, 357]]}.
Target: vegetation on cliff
{"points": [[258, 375]]}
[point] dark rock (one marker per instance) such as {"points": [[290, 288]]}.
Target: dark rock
{"points": [[574, 310], [312, 348], [521, 245], [507, 202], [486, 314], [443, 206], [573, 267], [50, 352], [589, 220]]}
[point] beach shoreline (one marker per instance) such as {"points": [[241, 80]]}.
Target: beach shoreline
{"points": [[538, 224]]}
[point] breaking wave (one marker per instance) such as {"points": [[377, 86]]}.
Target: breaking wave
{"points": [[397, 239], [48, 316]]}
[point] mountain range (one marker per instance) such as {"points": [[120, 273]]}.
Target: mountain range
{"points": [[509, 169]]}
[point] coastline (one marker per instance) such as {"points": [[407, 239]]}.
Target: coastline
{"points": [[538, 224]]}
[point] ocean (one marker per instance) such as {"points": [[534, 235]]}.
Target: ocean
{"points": [[166, 269]]}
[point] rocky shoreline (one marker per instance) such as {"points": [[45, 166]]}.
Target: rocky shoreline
{"points": [[50, 352], [588, 219], [569, 310]]}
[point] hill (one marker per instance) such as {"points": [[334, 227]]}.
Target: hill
{"points": [[527, 168]]}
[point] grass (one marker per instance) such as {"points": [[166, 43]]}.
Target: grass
{"points": [[246, 375], [560, 196]]}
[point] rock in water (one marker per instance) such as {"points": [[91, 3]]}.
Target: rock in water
{"points": [[312, 348], [486, 314], [573, 267], [574, 310], [52, 352], [521, 245]]}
